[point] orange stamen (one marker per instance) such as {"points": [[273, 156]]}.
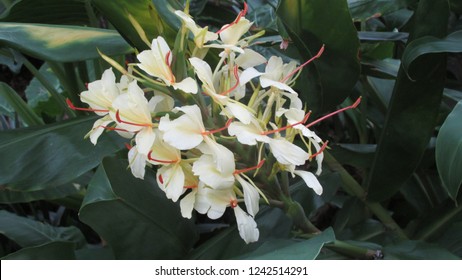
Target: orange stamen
{"points": [[324, 146], [354, 105], [208, 132], [128, 146], [259, 165], [303, 65], [168, 63], [161, 180], [113, 128], [69, 103], [287, 126], [159, 160], [236, 75], [131, 123], [190, 187]]}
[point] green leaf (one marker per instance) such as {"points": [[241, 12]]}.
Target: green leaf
{"points": [[417, 250], [147, 13], [51, 155], [47, 11], [18, 196], [12, 59], [413, 109], [27, 232], [365, 9], [430, 45], [134, 216], [292, 249], [19, 106], [57, 250], [312, 23], [382, 36], [39, 98], [61, 43], [452, 239], [449, 152]]}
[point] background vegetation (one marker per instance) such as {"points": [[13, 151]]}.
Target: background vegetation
{"points": [[392, 174]]}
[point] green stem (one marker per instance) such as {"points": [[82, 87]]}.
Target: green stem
{"points": [[46, 84], [431, 229], [352, 187], [295, 211]]}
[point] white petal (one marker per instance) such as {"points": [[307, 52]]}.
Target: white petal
{"points": [[188, 85], [248, 74], [265, 82], [206, 168], [250, 58], [239, 111], [232, 34], [274, 68], [222, 156], [247, 134], [183, 133], [173, 181], [203, 71], [144, 140], [246, 225], [98, 128], [251, 196], [310, 180], [287, 153], [137, 162], [225, 46], [187, 204]]}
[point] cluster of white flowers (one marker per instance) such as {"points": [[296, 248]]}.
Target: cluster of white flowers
{"points": [[241, 105]]}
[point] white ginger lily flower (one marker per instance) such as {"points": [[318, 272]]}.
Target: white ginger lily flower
{"points": [[101, 93], [171, 177], [232, 108], [99, 97], [216, 166], [277, 74], [185, 132], [132, 114], [248, 134], [249, 58], [201, 35], [156, 62]]}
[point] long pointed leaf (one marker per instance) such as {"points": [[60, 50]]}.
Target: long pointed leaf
{"points": [[312, 23], [51, 155], [413, 109], [449, 152], [60, 42], [19, 105], [27, 232]]}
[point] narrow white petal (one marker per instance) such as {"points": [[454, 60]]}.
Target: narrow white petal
{"points": [[137, 162], [203, 71], [310, 180], [287, 153], [247, 134], [188, 85], [144, 140], [248, 74], [265, 82], [246, 225], [173, 181], [187, 204], [98, 129], [251, 196], [250, 58]]}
